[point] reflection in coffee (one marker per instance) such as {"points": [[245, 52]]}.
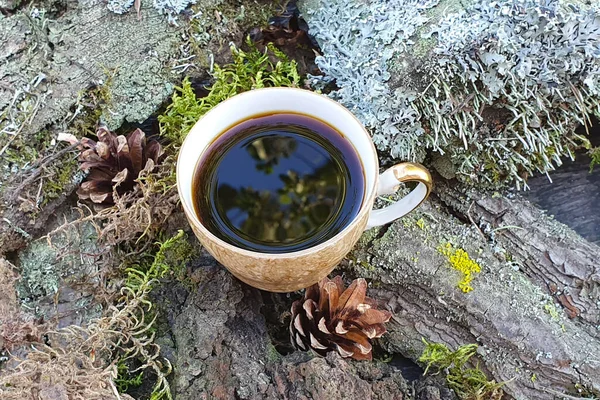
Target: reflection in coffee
{"points": [[278, 183]]}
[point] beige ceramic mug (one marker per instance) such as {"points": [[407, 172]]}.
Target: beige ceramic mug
{"points": [[286, 272]]}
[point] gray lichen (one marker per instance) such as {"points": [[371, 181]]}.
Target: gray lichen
{"points": [[169, 7], [51, 271], [514, 80], [119, 6], [172, 7], [500, 95], [357, 41]]}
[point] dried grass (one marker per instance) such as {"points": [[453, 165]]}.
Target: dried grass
{"points": [[49, 373], [138, 214], [81, 363]]}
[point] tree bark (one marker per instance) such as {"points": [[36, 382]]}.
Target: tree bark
{"points": [[533, 311], [530, 265]]}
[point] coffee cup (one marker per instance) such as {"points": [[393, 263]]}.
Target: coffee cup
{"points": [[286, 272]]}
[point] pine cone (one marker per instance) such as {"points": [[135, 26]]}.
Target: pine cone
{"points": [[115, 161], [333, 319]]}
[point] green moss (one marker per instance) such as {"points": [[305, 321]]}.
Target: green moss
{"points": [[125, 378], [62, 175], [167, 257], [215, 21], [21, 153], [594, 154], [91, 104], [273, 355], [171, 257], [23, 150], [460, 261], [359, 262], [249, 70], [551, 309], [467, 383], [366, 265]]}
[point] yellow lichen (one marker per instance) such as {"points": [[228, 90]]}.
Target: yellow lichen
{"points": [[551, 309], [460, 261]]}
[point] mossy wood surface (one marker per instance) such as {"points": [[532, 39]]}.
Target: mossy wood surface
{"points": [[64, 64], [533, 309], [466, 268]]}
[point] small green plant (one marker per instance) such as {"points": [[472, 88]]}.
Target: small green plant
{"points": [[467, 383], [172, 256], [460, 261], [125, 379], [249, 70], [594, 154]]}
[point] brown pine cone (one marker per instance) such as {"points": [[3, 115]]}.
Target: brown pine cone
{"points": [[333, 319], [115, 161]]}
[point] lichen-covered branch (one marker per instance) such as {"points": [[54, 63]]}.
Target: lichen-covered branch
{"points": [[552, 256], [497, 88], [534, 306]]}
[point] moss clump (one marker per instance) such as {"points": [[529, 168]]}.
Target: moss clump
{"points": [[467, 383], [126, 379], [64, 174], [171, 258], [594, 154], [550, 308], [272, 353], [215, 22], [17, 147], [249, 70], [91, 104], [24, 150], [460, 261]]}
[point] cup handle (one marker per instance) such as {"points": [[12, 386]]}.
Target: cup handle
{"points": [[389, 183]]}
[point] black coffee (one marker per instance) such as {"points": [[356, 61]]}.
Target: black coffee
{"points": [[278, 183]]}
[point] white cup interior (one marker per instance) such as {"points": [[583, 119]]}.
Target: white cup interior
{"points": [[271, 100]]}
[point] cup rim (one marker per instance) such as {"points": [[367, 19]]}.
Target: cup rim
{"points": [[365, 207]]}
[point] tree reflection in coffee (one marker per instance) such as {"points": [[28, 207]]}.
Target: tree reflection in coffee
{"points": [[278, 183]]}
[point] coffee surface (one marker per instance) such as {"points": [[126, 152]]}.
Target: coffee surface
{"points": [[278, 183]]}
